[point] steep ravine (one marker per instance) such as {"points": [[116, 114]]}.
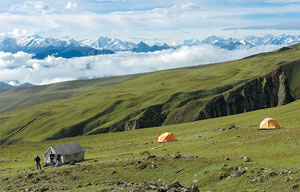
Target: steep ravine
{"points": [[279, 87], [271, 90]]}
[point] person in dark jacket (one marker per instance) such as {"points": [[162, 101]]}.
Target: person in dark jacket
{"points": [[37, 160], [58, 159], [52, 157]]}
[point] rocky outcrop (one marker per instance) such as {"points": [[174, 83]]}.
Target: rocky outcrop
{"points": [[263, 92], [150, 117]]}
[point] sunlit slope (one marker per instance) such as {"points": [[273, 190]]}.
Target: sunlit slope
{"points": [[269, 151], [18, 98], [114, 107]]}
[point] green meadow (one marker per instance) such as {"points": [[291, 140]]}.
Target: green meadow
{"points": [[97, 106], [114, 157]]}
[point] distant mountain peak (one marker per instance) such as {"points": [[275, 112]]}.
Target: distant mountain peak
{"points": [[8, 86]]}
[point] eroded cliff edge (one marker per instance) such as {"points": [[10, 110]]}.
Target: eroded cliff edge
{"points": [[279, 87]]}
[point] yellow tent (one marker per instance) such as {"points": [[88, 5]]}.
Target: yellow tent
{"points": [[166, 137], [269, 123]]}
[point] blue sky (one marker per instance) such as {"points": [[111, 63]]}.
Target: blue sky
{"points": [[155, 20]]}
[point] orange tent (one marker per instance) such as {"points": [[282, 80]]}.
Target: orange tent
{"points": [[269, 123], [166, 137]]}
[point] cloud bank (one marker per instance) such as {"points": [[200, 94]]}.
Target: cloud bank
{"points": [[31, 8], [22, 67], [174, 20]]}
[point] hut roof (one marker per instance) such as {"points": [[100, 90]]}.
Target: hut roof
{"points": [[67, 149]]}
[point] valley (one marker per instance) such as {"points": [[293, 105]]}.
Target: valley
{"points": [[211, 154]]}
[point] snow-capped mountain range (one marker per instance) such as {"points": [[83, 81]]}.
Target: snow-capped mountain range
{"points": [[33, 43], [68, 48], [246, 42]]}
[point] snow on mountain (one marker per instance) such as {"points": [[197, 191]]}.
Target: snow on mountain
{"points": [[33, 43], [247, 42], [5, 86], [143, 47], [113, 44], [9, 85], [42, 47]]}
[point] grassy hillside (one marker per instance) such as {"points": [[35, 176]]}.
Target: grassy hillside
{"points": [[274, 164], [18, 98], [177, 95]]}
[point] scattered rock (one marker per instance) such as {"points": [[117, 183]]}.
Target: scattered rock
{"points": [[223, 175], [246, 159], [152, 187], [5, 179], [95, 160], [192, 157], [88, 184], [227, 168], [43, 188], [176, 156], [157, 147], [161, 190], [153, 166], [179, 170], [67, 188], [114, 172], [227, 128], [145, 153], [227, 158], [175, 184], [239, 173], [151, 156], [141, 166], [195, 180], [29, 175], [78, 186], [195, 189], [294, 186], [151, 183]]}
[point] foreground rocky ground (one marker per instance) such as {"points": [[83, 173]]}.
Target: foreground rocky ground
{"points": [[76, 177]]}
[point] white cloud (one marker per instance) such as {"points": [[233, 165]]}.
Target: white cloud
{"points": [[70, 5], [18, 32], [176, 22], [31, 8], [21, 67]]}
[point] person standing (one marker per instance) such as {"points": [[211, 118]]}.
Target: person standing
{"points": [[58, 159], [52, 157], [37, 160]]}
